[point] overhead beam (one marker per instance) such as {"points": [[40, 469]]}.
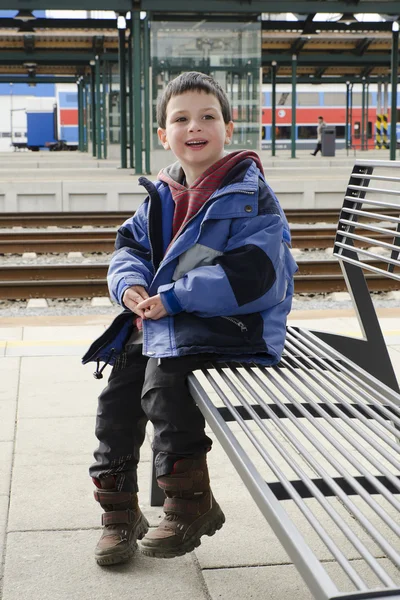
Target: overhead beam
{"points": [[6, 23], [36, 80], [318, 81], [309, 27], [327, 60], [362, 46], [390, 7], [53, 58]]}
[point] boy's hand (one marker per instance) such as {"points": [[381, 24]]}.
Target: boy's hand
{"points": [[152, 308], [133, 296]]}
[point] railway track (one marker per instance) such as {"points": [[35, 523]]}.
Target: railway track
{"points": [[102, 240], [87, 281], [113, 219]]}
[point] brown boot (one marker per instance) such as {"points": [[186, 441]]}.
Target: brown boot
{"points": [[190, 511], [123, 523]]}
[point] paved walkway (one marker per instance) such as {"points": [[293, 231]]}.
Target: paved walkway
{"points": [[49, 522]]}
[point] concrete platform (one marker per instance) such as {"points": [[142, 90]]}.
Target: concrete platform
{"points": [[49, 522], [71, 181]]}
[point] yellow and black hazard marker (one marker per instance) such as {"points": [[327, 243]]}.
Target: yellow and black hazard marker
{"points": [[378, 132], [384, 132]]}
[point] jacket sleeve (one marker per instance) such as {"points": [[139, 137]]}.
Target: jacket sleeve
{"points": [[250, 276], [131, 262]]}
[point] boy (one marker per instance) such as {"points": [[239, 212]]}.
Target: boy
{"points": [[204, 267]]}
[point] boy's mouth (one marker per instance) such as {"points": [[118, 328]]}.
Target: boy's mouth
{"points": [[196, 143]]}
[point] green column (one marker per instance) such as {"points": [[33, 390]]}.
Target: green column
{"points": [[273, 108], [294, 69], [122, 94], [363, 115], [93, 107], [104, 106], [86, 123], [131, 105], [98, 109], [80, 116], [347, 114], [146, 81], [394, 77], [137, 85]]}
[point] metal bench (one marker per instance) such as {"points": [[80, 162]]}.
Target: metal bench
{"points": [[323, 427]]}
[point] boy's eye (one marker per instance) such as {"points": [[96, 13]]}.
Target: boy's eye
{"points": [[180, 119], [208, 117]]}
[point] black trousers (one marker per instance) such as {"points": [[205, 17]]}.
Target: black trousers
{"points": [[318, 148], [141, 389]]}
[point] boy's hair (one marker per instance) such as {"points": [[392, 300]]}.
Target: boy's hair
{"points": [[321, 118], [188, 82]]}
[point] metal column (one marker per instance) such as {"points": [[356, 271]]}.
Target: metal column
{"points": [[294, 69], [104, 103], [137, 84], [273, 108], [347, 137], [366, 114], [93, 107], [385, 113], [130, 100], [86, 115], [99, 136], [363, 115], [394, 77], [122, 90], [146, 82], [80, 116]]}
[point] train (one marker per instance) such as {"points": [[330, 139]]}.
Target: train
{"points": [[51, 120], [328, 101], [43, 116]]}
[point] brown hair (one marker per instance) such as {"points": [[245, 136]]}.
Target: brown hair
{"points": [[188, 82]]}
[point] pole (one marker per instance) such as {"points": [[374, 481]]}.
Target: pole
{"points": [[385, 113], [366, 114], [273, 109], [130, 99], [394, 77], [80, 115], [146, 81], [363, 115], [351, 115], [347, 115], [378, 124], [137, 84], [92, 107], [105, 119], [122, 88], [86, 102], [294, 69], [99, 137]]}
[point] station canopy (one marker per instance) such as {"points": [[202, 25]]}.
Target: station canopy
{"points": [[333, 40]]}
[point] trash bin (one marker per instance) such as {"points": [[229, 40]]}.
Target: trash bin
{"points": [[328, 141]]}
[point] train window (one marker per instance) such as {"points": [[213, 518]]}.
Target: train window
{"points": [[369, 130], [307, 132], [283, 132], [357, 99], [357, 130], [335, 98], [308, 99], [340, 131]]}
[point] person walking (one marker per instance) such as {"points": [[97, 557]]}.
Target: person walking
{"points": [[320, 126]]}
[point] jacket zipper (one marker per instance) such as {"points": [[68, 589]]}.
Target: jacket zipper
{"points": [[237, 322]]}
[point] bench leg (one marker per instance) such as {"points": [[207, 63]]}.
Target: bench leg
{"points": [[157, 496]]}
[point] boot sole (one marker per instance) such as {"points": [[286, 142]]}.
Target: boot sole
{"points": [[118, 557], [190, 544]]}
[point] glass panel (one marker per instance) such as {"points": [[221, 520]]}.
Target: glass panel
{"points": [[230, 52]]}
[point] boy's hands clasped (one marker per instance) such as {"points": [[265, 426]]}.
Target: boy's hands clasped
{"points": [[138, 301]]}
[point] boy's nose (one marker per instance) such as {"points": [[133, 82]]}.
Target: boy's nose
{"points": [[194, 126]]}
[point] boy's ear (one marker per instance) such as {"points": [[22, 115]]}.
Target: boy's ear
{"points": [[162, 136], [228, 132]]}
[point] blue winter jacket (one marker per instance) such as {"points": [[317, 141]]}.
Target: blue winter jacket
{"points": [[226, 281]]}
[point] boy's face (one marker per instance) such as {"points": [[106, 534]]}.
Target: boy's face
{"points": [[195, 131]]}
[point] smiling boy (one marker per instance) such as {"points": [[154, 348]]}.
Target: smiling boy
{"points": [[205, 267]]}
